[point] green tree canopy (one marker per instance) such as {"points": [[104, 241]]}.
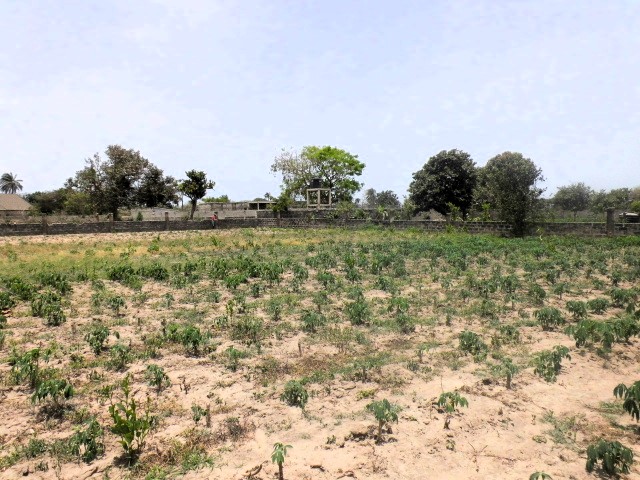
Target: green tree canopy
{"points": [[195, 187], [573, 198], [48, 202], [9, 183], [508, 181], [123, 180], [335, 167], [618, 198], [448, 178], [385, 199]]}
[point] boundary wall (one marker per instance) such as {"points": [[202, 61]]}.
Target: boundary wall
{"points": [[595, 229]]}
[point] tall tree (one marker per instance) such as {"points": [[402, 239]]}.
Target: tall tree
{"points": [[156, 190], [573, 198], [510, 183], [385, 199], [195, 187], [335, 167], [447, 179], [9, 183], [618, 198], [124, 179]]}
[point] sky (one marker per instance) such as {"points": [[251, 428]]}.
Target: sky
{"points": [[224, 86]]}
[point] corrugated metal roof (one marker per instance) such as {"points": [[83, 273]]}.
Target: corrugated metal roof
{"points": [[11, 201]]}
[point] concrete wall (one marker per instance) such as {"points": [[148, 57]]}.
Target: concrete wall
{"points": [[496, 228]]}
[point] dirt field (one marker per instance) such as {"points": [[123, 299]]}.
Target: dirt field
{"points": [[229, 319]]}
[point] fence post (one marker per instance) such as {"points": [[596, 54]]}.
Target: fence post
{"points": [[166, 221], [110, 223], [45, 225], [610, 222]]}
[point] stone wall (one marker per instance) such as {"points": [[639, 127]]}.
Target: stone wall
{"points": [[495, 228]]}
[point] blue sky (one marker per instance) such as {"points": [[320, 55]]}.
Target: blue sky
{"points": [[223, 86]]}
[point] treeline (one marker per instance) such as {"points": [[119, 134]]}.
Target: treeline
{"points": [[506, 188], [122, 179]]}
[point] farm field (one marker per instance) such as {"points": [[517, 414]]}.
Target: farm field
{"points": [[497, 357]]}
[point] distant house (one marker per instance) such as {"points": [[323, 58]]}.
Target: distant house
{"points": [[12, 205]]}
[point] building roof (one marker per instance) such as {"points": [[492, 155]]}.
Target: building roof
{"points": [[13, 202]]}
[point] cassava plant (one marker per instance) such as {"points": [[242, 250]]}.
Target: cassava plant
{"points": [[130, 424], [449, 402], [278, 455], [384, 412], [631, 397], [614, 457]]}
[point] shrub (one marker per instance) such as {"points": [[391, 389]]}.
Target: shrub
{"points": [[55, 390], [129, 424], [631, 397], [156, 377], [312, 321], [120, 356], [577, 308], [6, 302], [25, 366], [96, 338], [295, 395], [549, 317], [88, 443], [615, 458], [384, 412], [358, 312], [592, 331], [507, 369], [549, 362], [193, 340], [449, 402], [48, 305], [248, 330], [598, 305], [470, 342]]}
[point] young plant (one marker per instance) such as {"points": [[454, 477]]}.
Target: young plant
{"points": [[129, 424], [449, 402], [193, 340], [578, 309], [26, 366], [631, 397], [470, 342], [384, 412], [278, 456], [156, 377], [549, 317], [540, 476], [56, 391], [507, 369], [96, 338], [295, 395], [88, 444], [549, 362], [120, 357], [615, 458]]}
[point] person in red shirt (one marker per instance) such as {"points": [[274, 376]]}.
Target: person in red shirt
{"points": [[214, 219]]}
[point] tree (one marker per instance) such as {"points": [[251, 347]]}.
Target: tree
{"points": [[9, 183], [618, 198], [195, 187], [385, 199], [112, 183], [573, 198], [447, 179], [509, 183], [156, 190], [48, 202], [336, 168]]}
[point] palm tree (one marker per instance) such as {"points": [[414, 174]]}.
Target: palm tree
{"points": [[9, 183]]}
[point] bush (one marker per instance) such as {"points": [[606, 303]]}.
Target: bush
{"points": [[615, 458], [88, 443], [549, 317], [48, 305], [470, 342], [295, 395], [384, 412], [129, 424], [156, 377], [631, 397], [549, 362], [53, 389], [96, 338]]}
